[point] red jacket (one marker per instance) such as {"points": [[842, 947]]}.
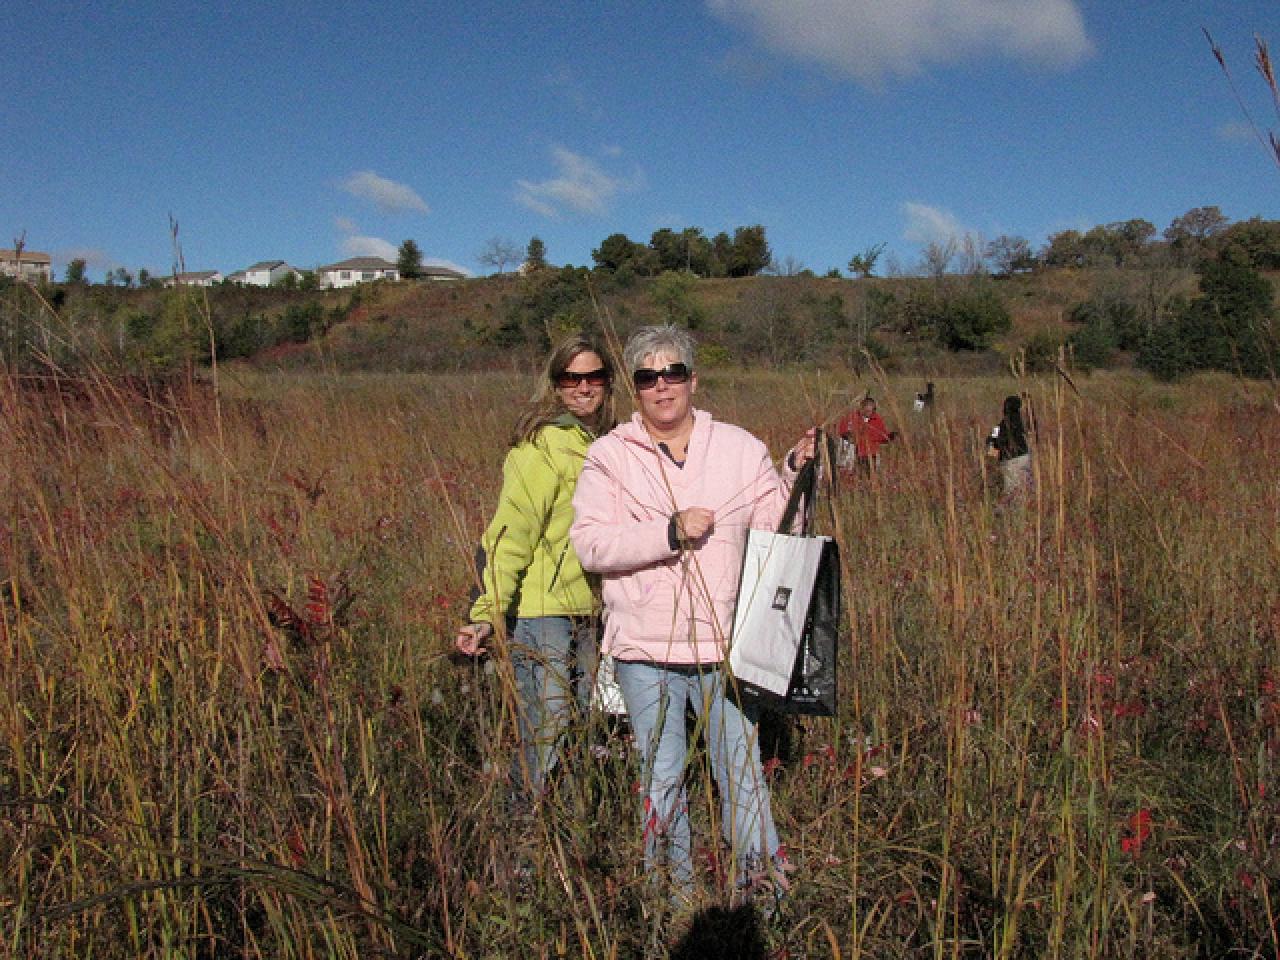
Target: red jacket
{"points": [[865, 433]]}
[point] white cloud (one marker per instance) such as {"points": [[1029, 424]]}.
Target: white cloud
{"points": [[355, 245], [581, 186], [926, 224], [871, 39], [387, 195]]}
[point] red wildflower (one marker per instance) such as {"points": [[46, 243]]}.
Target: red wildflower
{"points": [[317, 609], [297, 845], [1139, 829]]}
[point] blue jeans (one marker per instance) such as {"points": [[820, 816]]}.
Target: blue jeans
{"points": [[656, 696], [549, 656]]}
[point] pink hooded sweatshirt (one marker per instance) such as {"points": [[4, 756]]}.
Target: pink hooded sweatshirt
{"points": [[665, 605]]}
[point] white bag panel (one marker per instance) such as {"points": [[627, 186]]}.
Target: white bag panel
{"points": [[778, 574], [606, 695]]}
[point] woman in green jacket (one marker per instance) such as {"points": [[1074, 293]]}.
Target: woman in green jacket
{"points": [[530, 578]]}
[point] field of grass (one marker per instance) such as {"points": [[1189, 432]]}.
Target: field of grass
{"points": [[231, 724]]}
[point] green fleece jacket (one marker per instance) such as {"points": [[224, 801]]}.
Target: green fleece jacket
{"points": [[526, 564]]}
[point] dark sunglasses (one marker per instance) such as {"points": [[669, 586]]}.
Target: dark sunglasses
{"points": [[568, 379], [646, 378]]}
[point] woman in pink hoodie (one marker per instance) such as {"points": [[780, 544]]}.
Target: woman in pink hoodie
{"points": [[661, 512]]}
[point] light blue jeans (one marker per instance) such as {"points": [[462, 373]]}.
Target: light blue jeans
{"points": [[656, 696], [549, 657]]}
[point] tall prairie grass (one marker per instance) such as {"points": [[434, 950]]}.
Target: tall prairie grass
{"points": [[231, 724]]}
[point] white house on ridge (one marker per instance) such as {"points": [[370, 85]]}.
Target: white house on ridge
{"points": [[266, 273], [348, 273], [193, 278], [30, 265]]}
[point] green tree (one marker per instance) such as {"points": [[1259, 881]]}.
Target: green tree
{"points": [[1064, 249], [1231, 325], [616, 251], [409, 262], [1191, 234], [535, 254], [665, 243], [721, 254], [1258, 239], [750, 253], [1130, 239], [1164, 352], [863, 265]]}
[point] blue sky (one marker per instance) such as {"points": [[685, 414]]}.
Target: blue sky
{"points": [[313, 132]]}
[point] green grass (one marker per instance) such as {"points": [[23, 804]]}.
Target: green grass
{"points": [[1057, 736]]}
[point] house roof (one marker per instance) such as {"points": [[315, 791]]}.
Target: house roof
{"points": [[197, 275], [265, 265], [361, 263], [435, 271], [28, 256]]}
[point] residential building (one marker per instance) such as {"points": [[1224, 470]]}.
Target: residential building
{"points": [[267, 273], [348, 273], [31, 265], [194, 278], [430, 272]]}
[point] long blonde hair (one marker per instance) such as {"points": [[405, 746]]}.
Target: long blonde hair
{"points": [[545, 405]]}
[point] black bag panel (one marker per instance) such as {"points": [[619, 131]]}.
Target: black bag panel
{"points": [[813, 689]]}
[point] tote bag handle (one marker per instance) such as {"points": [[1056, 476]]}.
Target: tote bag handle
{"points": [[804, 487]]}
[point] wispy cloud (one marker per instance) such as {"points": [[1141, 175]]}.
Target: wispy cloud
{"points": [[870, 40], [926, 224], [1236, 131], [358, 246], [580, 186], [93, 257], [355, 244], [387, 195], [568, 86]]}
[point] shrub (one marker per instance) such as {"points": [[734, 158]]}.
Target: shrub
{"points": [[1164, 352], [1041, 351], [970, 320], [1093, 345]]}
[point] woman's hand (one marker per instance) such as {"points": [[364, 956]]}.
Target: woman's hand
{"points": [[694, 524], [470, 638], [804, 450]]}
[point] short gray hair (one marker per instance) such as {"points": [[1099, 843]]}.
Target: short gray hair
{"points": [[662, 339]]}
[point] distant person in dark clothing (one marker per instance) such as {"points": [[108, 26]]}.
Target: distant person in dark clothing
{"points": [[1008, 443], [925, 400]]}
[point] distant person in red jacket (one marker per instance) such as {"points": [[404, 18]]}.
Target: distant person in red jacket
{"points": [[863, 432]]}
